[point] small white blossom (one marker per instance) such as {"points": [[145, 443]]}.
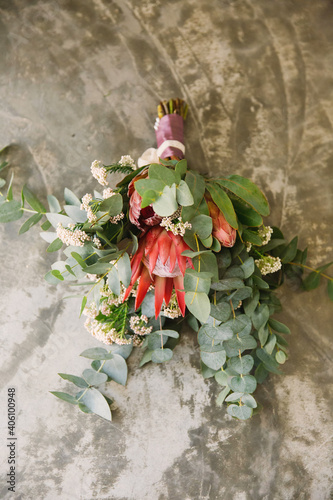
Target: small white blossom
{"points": [[90, 311], [104, 333], [92, 277], [138, 325], [248, 246], [97, 242], [268, 264], [99, 172], [265, 234], [107, 193], [116, 218], [127, 161], [178, 227], [172, 310], [87, 198], [71, 236]]}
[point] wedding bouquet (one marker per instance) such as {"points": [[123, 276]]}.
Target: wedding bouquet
{"points": [[166, 245]]}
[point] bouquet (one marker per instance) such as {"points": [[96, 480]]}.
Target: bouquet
{"points": [[164, 246]]}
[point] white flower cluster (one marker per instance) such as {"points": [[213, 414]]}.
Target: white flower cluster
{"points": [[107, 193], [97, 242], [116, 218], [99, 172], [138, 325], [172, 310], [268, 264], [127, 161], [87, 198], [104, 333], [71, 236], [265, 234], [248, 246], [90, 311], [175, 227], [111, 298], [92, 277]]}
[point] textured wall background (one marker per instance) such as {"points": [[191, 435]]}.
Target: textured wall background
{"points": [[80, 80]]}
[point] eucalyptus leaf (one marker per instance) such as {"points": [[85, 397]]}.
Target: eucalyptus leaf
{"points": [[124, 269], [65, 397], [55, 245], [78, 381], [222, 200], [116, 369], [184, 195], [75, 213], [227, 284], [54, 204], [96, 353], [96, 403], [247, 191], [213, 356], [198, 304], [242, 364], [221, 377], [33, 200], [94, 378], [222, 395], [247, 383], [30, 222], [10, 211], [161, 355], [240, 412], [71, 198], [278, 326]]}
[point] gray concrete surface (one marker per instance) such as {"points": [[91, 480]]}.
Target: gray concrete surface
{"points": [[80, 80]]}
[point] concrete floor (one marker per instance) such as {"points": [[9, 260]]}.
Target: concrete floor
{"points": [[80, 80]]}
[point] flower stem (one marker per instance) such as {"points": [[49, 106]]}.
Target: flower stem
{"points": [[311, 269]]}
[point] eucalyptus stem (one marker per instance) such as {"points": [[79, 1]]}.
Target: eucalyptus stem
{"points": [[311, 269]]}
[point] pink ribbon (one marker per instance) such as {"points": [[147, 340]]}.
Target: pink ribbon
{"points": [[171, 127]]}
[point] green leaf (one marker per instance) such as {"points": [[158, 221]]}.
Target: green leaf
{"points": [[94, 378], [55, 219], [261, 373], [278, 327], [54, 204], [79, 259], [221, 377], [240, 412], [248, 267], [233, 346], [9, 195], [246, 214], [97, 403], [221, 311], [208, 264], [311, 282], [123, 350], [260, 316], [46, 225], [163, 174], [2, 182], [146, 357], [124, 269], [274, 243], [222, 200], [263, 335], [181, 168], [161, 355], [330, 289], [83, 305], [290, 251], [116, 369], [71, 198], [281, 357], [166, 204], [208, 334], [213, 356], [269, 347], [184, 195], [198, 304], [57, 274], [78, 381], [227, 284], [269, 362], [98, 268], [30, 222], [251, 237], [65, 397], [251, 303], [222, 395], [196, 183], [249, 401], [198, 282], [247, 383], [55, 245], [168, 333], [69, 269], [112, 205], [75, 213], [96, 353], [242, 365], [247, 191], [33, 200], [202, 225], [10, 211], [260, 283]]}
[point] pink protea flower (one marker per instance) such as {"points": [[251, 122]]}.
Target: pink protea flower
{"points": [[222, 231], [158, 261], [141, 217]]}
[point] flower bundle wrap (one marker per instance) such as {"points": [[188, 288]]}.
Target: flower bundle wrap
{"points": [[166, 245]]}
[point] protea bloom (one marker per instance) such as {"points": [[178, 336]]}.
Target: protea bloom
{"points": [[141, 217], [158, 261], [222, 231]]}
